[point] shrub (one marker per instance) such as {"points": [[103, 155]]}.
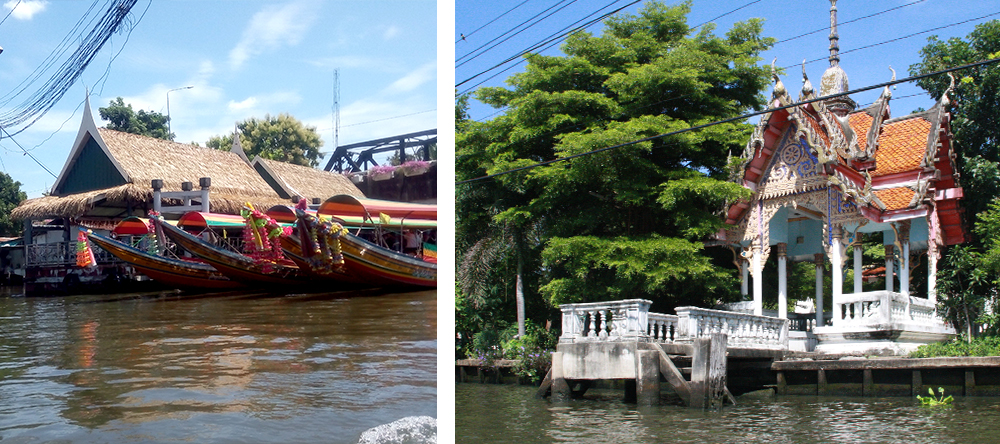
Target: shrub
{"points": [[981, 346]]}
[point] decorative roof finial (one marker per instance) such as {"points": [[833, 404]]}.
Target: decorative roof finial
{"points": [[807, 87], [834, 38]]}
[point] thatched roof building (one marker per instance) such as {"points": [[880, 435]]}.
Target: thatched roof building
{"points": [[108, 176], [290, 180]]}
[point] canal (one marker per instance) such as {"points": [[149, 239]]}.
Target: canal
{"points": [[230, 367], [494, 414]]}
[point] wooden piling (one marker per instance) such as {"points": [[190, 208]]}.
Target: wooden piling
{"points": [[708, 372], [867, 383], [918, 384], [647, 384], [674, 376], [970, 382], [560, 388]]}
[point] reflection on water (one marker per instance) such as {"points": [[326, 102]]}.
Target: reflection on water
{"points": [[227, 368], [494, 414]]}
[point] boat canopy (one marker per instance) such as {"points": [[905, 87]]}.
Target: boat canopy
{"points": [[201, 220], [132, 226], [284, 214], [344, 205]]}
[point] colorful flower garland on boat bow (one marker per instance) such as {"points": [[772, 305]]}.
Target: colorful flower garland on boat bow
{"points": [[320, 242], [262, 238], [84, 254]]}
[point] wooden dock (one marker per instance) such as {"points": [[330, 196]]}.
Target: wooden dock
{"points": [[959, 376]]}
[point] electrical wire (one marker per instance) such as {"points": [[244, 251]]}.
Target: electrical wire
{"points": [[37, 104], [582, 124], [469, 59], [26, 153], [731, 119], [9, 13], [465, 36]]}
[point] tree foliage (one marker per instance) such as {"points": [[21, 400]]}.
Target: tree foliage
{"points": [[624, 223], [10, 197], [282, 137], [121, 117], [966, 276]]}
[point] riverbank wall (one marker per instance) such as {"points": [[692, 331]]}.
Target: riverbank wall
{"points": [[813, 375]]}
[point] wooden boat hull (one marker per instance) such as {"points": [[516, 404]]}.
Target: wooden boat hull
{"points": [[373, 263], [172, 272], [363, 261], [236, 266]]}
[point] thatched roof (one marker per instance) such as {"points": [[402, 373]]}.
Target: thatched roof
{"points": [[146, 158], [296, 180], [109, 173]]}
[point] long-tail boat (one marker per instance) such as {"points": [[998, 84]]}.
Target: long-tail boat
{"points": [[173, 272], [268, 268], [324, 246]]}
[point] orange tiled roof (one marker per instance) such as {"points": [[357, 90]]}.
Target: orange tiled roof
{"points": [[818, 129], [895, 198], [901, 146], [861, 122]]}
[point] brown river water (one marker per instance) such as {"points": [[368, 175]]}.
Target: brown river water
{"points": [[225, 368], [496, 414]]}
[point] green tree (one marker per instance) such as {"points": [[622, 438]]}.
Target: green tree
{"points": [[10, 197], [280, 137], [964, 286], [624, 223], [121, 117]]}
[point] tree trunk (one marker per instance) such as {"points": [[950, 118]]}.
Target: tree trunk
{"points": [[519, 297]]}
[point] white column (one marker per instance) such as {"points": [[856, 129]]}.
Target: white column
{"points": [[932, 273], [782, 281], [745, 282], [837, 264], [758, 282], [904, 269], [888, 267], [858, 271], [818, 259]]}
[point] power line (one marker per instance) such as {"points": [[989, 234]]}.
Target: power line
{"points": [[469, 59], [11, 12], [901, 38], [26, 153], [491, 21], [41, 101], [731, 119], [582, 124], [850, 21], [551, 42]]}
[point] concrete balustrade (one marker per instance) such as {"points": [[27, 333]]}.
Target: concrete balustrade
{"points": [[874, 308], [631, 321]]}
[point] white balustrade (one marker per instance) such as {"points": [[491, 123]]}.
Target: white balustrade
{"points": [[630, 320], [880, 308], [744, 330], [662, 327], [605, 321]]}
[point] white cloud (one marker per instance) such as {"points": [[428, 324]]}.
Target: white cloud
{"points": [[241, 105], [271, 28], [26, 9], [391, 32], [413, 80]]}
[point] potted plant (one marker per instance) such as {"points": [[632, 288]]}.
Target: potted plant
{"points": [[415, 167], [355, 178], [381, 172]]}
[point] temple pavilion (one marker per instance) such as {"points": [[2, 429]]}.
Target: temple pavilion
{"points": [[826, 178]]}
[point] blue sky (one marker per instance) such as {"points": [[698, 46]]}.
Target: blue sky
{"points": [[243, 58], [783, 19]]}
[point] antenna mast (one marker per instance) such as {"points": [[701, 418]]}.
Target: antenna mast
{"points": [[336, 109]]}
